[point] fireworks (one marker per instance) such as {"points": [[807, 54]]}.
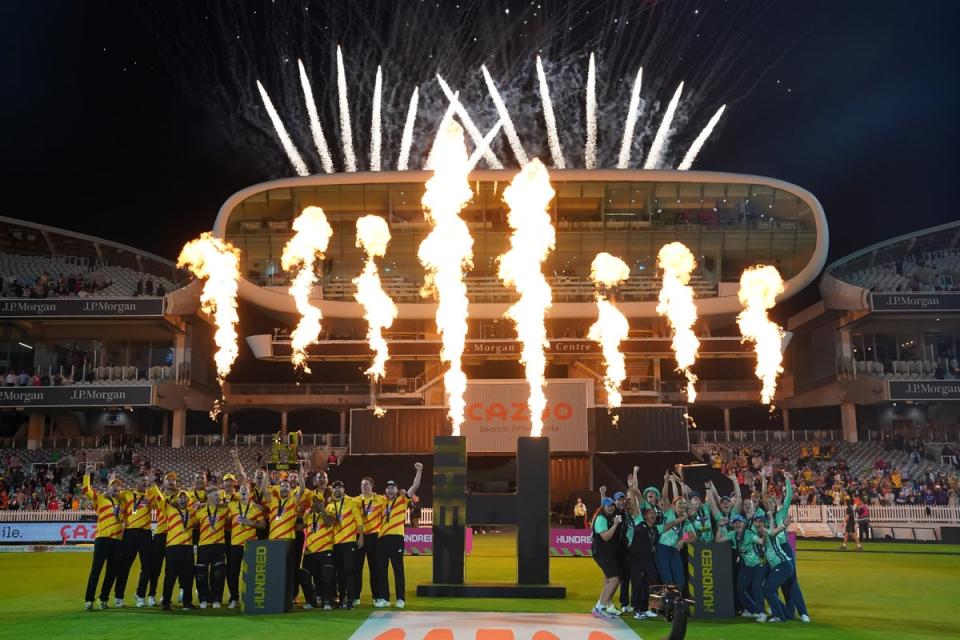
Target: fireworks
{"points": [[676, 303], [659, 146], [611, 327], [533, 238], [759, 288], [633, 112], [445, 253], [217, 262], [373, 235], [700, 140], [311, 235]]}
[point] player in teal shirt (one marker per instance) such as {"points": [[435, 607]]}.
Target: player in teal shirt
{"points": [[791, 588], [752, 570], [674, 533], [779, 568]]}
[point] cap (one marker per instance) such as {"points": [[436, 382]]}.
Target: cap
{"points": [[229, 476], [171, 475], [606, 502], [737, 519], [391, 482], [694, 494], [337, 483], [726, 499], [619, 495], [760, 517]]}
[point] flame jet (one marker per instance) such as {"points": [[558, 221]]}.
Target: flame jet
{"points": [[446, 253], [310, 240], [676, 303], [217, 263], [532, 240], [373, 236], [611, 327], [759, 288]]}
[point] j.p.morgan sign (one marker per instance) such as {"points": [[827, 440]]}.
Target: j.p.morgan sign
{"points": [[76, 396], [924, 389], [80, 307], [930, 302]]}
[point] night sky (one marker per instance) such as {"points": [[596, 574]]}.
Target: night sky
{"points": [[855, 101]]}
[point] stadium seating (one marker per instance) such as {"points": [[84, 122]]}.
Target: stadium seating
{"points": [[937, 270], [122, 281]]}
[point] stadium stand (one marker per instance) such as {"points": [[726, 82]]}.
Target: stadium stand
{"points": [[42, 276]]}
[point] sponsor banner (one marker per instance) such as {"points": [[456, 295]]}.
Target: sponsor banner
{"points": [[81, 307], [496, 415], [46, 532], [924, 389], [263, 576], [77, 395], [570, 542], [418, 541], [930, 302], [421, 625], [710, 579], [44, 548]]}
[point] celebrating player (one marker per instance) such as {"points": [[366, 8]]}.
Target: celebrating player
{"points": [[347, 538], [246, 519], [212, 520], [371, 511], [107, 548], [391, 544]]}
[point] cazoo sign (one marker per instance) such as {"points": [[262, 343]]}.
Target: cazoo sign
{"points": [[38, 532]]}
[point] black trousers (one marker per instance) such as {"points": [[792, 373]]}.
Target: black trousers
{"points": [[623, 564], [136, 542], [390, 551], [320, 566], [291, 587], [368, 555], [180, 568], [345, 563], [643, 574], [211, 572], [158, 549], [105, 551], [234, 563]]}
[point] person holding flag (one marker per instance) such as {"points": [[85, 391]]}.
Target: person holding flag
{"points": [[390, 546], [108, 545]]}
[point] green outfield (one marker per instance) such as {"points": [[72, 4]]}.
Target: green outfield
{"points": [[889, 591]]}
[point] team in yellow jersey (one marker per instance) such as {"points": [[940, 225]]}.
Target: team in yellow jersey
{"points": [[108, 545], [390, 545], [137, 538]]}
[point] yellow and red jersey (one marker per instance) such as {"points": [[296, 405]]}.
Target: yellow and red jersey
{"points": [[240, 533], [157, 501], [196, 497], [318, 537], [283, 514], [347, 519], [109, 511], [394, 515], [230, 498], [180, 523], [136, 509], [371, 513], [212, 522]]}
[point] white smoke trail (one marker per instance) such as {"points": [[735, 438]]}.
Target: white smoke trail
{"points": [[633, 112], [590, 149], [700, 140], [655, 156], [611, 327], [346, 130], [484, 145], [548, 117], [407, 139], [508, 127], [310, 239], [288, 147], [375, 124], [373, 236], [447, 117], [532, 240], [676, 303], [468, 124], [759, 288], [445, 254], [316, 129], [217, 262]]}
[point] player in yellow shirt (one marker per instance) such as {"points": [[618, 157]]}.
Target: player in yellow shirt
{"points": [[318, 573], [390, 546], [198, 496], [283, 505], [181, 523], [158, 542], [108, 546], [347, 538], [137, 537], [246, 519], [228, 495], [212, 520], [371, 513]]}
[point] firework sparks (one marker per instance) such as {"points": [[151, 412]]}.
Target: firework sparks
{"points": [[633, 112], [676, 303], [316, 129], [700, 140], [288, 147], [553, 139], [406, 140], [311, 235], [445, 253], [468, 124], [508, 127], [611, 327], [346, 130], [590, 148], [759, 288], [376, 127], [373, 235], [533, 238], [659, 146]]}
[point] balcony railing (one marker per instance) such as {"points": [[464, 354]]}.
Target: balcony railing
{"points": [[255, 389], [709, 437]]}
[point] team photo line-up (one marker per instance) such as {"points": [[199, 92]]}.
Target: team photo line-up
{"points": [[200, 534], [639, 541]]}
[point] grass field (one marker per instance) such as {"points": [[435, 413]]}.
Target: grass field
{"points": [[890, 591]]}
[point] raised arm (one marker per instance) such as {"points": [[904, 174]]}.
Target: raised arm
{"points": [[240, 470], [603, 492], [265, 485], [737, 499], [666, 485], [609, 533], [412, 491], [88, 489]]}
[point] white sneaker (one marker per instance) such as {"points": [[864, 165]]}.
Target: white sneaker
{"points": [[216, 605], [141, 603], [103, 605], [151, 601], [650, 613], [380, 603], [307, 605], [627, 609], [747, 614], [774, 619], [640, 615], [761, 617], [203, 605], [401, 604], [232, 604], [118, 603], [804, 618], [88, 605], [356, 602], [327, 607], [612, 610]]}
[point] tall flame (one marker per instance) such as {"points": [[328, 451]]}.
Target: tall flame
{"points": [[676, 303], [310, 240], [759, 288], [445, 254], [373, 235], [611, 327], [217, 262], [533, 237]]}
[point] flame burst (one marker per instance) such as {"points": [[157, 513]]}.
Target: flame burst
{"points": [[310, 240], [533, 237], [611, 327], [676, 303], [445, 254], [759, 288], [373, 236], [217, 262]]}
